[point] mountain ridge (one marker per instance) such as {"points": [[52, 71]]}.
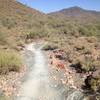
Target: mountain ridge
{"points": [[77, 13], [74, 8]]}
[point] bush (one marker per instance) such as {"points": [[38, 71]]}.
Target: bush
{"points": [[50, 47], [95, 84], [88, 66], [8, 22], [9, 61], [36, 33], [83, 30]]}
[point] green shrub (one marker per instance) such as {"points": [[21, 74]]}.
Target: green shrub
{"points": [[8, 22], [95, 84], [89, 64], [89, 30], [9, 61], [50, 47], [83, 30], [36, 33]]}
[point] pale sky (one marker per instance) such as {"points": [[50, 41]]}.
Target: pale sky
{"points": [[55, 5]]}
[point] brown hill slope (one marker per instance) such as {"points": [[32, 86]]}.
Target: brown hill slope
{"points": [[16, 15], [16, 19]]}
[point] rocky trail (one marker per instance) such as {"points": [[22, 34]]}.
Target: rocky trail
{"points": [[43, 82]]}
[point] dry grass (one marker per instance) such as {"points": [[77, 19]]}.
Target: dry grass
{"points": [[9, 61]]}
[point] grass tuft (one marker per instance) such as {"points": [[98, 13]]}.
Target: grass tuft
{"points": [[9, 61]]}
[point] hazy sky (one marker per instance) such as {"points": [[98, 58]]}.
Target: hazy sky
{"points": [[54, 5]]}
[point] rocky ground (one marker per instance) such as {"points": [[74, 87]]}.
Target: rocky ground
{"points": [[9, 84], [79, 61], [66, 65], [62, 73]]}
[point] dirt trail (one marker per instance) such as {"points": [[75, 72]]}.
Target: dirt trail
{"points": [[38, 84]]}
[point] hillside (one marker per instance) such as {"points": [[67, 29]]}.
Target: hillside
{"points": [[76, 21], [16, 15], [17, 19]]}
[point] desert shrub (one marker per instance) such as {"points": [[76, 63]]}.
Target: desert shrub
{"points": [[89, 30], [84, 65], [8, 22], [95, 84], [3, 38], [50, 47], [88, 65], [9, 61], [36, 33], [83, 30]]}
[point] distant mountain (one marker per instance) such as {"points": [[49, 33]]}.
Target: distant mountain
{"points": [[77, 13]]}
